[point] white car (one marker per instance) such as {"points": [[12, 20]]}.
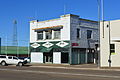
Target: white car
{"points": [[5, 60]]}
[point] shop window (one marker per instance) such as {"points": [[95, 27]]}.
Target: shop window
{"points": [[40, 35], [89, 34], [112, 48], [48, 34], [57, 34]]}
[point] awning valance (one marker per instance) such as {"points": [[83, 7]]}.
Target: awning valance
{"points": [[45, 49], [48, 28]]}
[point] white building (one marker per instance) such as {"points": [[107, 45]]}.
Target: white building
{"points": [[68, 39], [110, 43]]}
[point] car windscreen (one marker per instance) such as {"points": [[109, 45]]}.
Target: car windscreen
{"points": [[15, 58]]}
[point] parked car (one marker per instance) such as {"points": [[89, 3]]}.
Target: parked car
{"points": [[6, 60], [26, 59]]}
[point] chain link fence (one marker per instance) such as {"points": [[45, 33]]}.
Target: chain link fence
{"points": [[19, 48]]}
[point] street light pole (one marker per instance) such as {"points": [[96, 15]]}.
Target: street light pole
{"points": [[102, 8], [99, 15]]}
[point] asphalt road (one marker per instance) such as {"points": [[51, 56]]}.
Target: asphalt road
{"points": [[36, 73]]}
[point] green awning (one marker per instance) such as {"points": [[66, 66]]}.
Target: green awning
{"points": [[46, 50]]}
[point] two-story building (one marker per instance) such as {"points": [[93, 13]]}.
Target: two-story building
{"points": [[68, 39]]}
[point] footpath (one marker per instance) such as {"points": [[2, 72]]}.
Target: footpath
{"points": [[67, 66]]}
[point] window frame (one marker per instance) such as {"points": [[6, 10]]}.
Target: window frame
{"points": [[112, 48], [38, 33], [59, 34], [50, 34], [89, 34]]}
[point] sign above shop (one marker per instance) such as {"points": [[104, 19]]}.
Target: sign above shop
{"points": [[35, 45], [75, 44], [62, 44], [47, 44]]}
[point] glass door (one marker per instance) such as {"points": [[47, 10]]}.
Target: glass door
{"points": [[48, 57]]}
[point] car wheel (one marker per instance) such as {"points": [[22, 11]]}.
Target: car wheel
{"points": [[20, 64], [3, 63]]}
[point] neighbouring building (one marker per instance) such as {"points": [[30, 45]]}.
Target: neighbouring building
{"points": [[110, 43], [68, 39]]}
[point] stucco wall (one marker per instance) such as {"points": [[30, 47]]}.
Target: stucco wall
{"points": [[110, 35], [65, 31], [104, 44], [115, 39]]}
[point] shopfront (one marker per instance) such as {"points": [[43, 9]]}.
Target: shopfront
{"points": [[56, 52]]}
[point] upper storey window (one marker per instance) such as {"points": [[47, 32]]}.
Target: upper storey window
{"points": [[89, 34], [57, 34], [78, 34], [53, 32], [40, 35], [48, 34]]}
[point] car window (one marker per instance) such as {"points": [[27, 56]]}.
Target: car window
{"points": [[15, 58], [9, 57], [2, 56]]}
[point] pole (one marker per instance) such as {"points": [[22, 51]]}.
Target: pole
{"points": [[99, 11], [17, 50], [109, 47], [102, 7], [28, 49], [6, 45]]}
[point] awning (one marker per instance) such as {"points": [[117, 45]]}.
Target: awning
{"points": [[45, 49], [48, 28]]}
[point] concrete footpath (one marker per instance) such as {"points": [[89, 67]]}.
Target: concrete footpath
{"points": [[67, 66]]}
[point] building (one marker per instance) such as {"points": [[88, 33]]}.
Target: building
{"points": [[110, 43], [68, 39]]}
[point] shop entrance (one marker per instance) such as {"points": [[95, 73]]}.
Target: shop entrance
{"points": [[64, 57], [48, 57]]}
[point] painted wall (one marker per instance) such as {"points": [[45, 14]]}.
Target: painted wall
{"points": [[115, 39], [110, 34], [104, 45], [56, 57], [36, 57], [83, 25], [63, 20]]}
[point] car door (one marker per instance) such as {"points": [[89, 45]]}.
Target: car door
{"points": [[15, 60], [10, 60]]}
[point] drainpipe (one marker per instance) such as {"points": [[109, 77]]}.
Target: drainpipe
{"points": [[109, 46], [70, 53]]}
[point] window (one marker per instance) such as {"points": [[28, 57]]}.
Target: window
{"points": [[2, 56], [112, 48], [48, 34], [9, 57], [15, 58], [78, 33], [57, 34], [40, 35], [89, 34]]}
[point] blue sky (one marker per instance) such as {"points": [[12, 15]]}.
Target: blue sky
{"points": [[25, 10]]}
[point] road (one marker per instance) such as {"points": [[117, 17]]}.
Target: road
{"points": [[40, 73]]}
